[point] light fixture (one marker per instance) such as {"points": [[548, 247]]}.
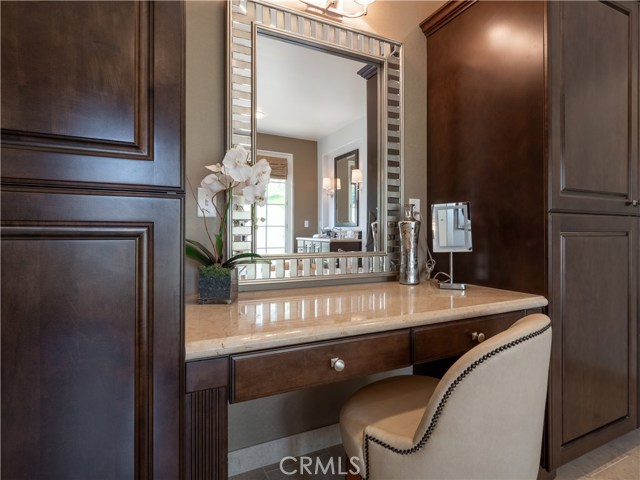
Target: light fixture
{"points": [[336, 9], [338, 184], [356, 175], [328, 187]]}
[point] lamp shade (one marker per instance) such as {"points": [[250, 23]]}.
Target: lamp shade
{"points": [[356, 175], [326, 183]]}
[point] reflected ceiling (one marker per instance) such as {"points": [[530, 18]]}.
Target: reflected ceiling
{"points": [[305, 93]]}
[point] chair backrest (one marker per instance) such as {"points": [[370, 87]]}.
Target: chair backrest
{"points": [[485, 417]]}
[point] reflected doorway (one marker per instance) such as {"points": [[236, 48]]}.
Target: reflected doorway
{"points": [[273, 232]]}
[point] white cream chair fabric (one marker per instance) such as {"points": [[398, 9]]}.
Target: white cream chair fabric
{"points": [[482, 420]]}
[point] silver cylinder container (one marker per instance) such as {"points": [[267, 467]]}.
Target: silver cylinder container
{"points": [[409, 229]]}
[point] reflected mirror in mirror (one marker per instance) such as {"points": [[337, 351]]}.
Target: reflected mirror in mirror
{"points": [[348, 174], [320, 108]]}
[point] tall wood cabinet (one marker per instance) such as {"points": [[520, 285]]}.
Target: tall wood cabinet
{"points": [[533, 118], [92, 206]]}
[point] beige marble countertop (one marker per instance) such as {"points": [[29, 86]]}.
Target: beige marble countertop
{"points": [[269, 319]]}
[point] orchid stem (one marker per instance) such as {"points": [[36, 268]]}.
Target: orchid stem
{"points": [[204, 220]]}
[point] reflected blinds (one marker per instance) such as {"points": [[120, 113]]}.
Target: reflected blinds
{"points": [[279, 166]]}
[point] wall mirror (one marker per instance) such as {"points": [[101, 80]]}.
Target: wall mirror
{"points": [[347, 173], [329, 98]]}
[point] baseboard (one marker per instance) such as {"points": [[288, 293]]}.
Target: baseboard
{"points": [[269, 453]]}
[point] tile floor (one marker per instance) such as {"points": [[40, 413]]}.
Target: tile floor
{"points": [[617, 460]]}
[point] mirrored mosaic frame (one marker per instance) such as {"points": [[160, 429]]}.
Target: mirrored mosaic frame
{"points": [[245, 19]]}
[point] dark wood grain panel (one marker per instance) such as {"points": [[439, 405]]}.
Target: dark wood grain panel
{"points": [[594, 307], [92, 344], [267, 373], [206, 439], [434, 342], [92, 93], [444, 15], [485, 91], [207, 374], [103, 99], [576, 80], [72, 335], [594, 97]]}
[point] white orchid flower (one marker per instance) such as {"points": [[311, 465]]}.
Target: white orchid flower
{"points": [[236, 177], [255, 194], [216, 183], [238, 189], [236, 164], [261, 172]]}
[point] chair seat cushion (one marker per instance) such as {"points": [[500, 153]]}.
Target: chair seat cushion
{"points": [[395, 405]]}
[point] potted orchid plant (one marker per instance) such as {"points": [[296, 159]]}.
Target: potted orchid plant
{"points": [[234, 177]]}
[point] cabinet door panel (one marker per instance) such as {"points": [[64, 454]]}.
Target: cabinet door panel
{"points": [[91, 336], [485, 138], [594, 310], [594, 105], [92, 93]]}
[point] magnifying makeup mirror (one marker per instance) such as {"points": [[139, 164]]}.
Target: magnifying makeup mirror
{"points": [[451, 228]]}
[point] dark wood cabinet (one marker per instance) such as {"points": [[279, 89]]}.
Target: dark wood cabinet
{"points": [[533, 118], [91, 336], [593, 303], [92, 244], [593, 106], [436, 342], [260, 374], [92, 93], [206, 419]]}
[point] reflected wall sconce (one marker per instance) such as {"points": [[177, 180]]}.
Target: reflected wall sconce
{"points": [[356, 177], [327, 186], [336, 8]]}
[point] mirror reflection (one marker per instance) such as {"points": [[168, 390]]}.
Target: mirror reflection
{"points": [[347, 173], [451, 227], [317, 121]]}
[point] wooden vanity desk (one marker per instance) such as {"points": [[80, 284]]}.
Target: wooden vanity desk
{"points": [[278, 341]]}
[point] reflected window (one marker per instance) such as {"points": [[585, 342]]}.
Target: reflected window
{"points": [[272, 230]]}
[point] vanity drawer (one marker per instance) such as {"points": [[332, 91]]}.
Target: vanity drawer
{"points": [[450, 339], [257, 375]]}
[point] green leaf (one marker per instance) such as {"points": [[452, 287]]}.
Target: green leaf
{"points": [[219, 244], [245, 258], [198, 252]]}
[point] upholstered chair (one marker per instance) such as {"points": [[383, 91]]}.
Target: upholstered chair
{"points": [[482, 420]]}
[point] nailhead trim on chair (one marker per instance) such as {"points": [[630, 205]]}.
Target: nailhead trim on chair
{"points": [[443, 401]]}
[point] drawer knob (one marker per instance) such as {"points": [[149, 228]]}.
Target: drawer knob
{"points": [[477, 337], [337, 364]]}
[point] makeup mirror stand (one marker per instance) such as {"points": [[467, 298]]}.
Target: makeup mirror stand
{"points": [[450, 285], [451, 228]]}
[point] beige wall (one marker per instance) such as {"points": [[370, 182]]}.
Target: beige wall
{"points": [[205, 110], [305, 179], [259, 421]]}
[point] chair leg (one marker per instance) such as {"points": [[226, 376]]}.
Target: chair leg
{"points": [[350, 475]]}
